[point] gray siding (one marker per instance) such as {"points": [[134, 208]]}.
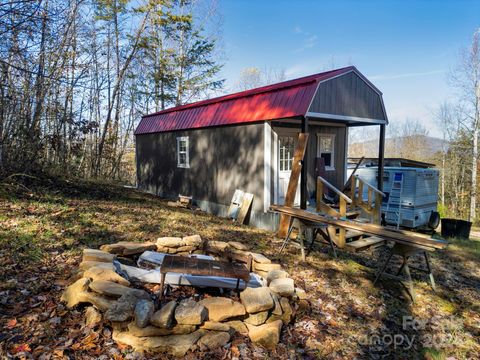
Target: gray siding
{"points": [[348, 95], [222, 159]]}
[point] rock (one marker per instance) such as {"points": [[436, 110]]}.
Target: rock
{"points": [[238, 326], [126, 248], [189, 312], [216, 326], [283, 287], [176, 345], [123, 308], [143, 312], [273, 318], [72, 292], [155, 331], [287, 310], [213, 340], [92, 316], [102, 273], [238, 245], [259, 258], [217, 245], [97, 255], [176, 250], [266, 335], [303, 305], [109, 288], [257, 318], [277, 310], [266, 267], [85, 265], [221, 308], [256, 300], [276, 274], [100, 302], [169, 242], [263, 274], [163, 318], [193, 240], [302, 294]]}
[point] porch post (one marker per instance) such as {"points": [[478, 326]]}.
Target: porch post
{"points": [[303, 180], [381, 155]]}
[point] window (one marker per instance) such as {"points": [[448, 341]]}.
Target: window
{"points": [[287, 147], [326, 150], [182, 152]]}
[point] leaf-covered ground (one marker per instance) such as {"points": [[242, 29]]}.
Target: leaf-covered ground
{"points": [[45, 224]]}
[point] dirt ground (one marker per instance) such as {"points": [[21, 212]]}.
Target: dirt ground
{"points": [[45, 224]]}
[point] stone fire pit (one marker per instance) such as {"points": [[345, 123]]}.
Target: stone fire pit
{"points": [[119, 281]]}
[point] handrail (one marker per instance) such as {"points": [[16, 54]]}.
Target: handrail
{"points": [[374, 189], [335, 190]]}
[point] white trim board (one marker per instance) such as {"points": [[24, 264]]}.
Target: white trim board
{"points": [[346, 118], [267, 161]]}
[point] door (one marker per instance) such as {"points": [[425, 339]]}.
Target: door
{"points": [[286, 149]]}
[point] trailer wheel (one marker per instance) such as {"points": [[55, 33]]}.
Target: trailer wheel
{"points": [[434, 220]]}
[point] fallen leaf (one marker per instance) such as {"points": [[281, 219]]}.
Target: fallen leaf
{"points": [[11, 323], [21, 348]]}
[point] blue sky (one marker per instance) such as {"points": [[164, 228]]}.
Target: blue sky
{"points": [[406, 48]]}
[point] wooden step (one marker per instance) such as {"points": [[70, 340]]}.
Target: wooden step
{"points": [[365, 243], [352, 215], [350, 234]]}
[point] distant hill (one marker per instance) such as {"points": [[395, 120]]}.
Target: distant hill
{"points": [[416, 147]]}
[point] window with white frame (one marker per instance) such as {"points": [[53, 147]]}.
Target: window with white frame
{"points": [[182, 152], [326, 149]]}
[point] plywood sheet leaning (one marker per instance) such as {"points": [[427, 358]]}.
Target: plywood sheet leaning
{"points": [[244, 207], [234, 207], [293, 182]]}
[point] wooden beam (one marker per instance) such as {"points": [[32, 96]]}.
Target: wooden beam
{"points": [[400, 236], [293, 182]]}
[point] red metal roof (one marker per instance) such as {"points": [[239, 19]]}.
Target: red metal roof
{"points": [[283, 100]]}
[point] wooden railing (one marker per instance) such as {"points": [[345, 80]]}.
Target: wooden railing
{"points": [[373, 206], [337, 234]]}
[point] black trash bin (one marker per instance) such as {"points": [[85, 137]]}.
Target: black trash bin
{"points": [[463, 229], [449, 227]]}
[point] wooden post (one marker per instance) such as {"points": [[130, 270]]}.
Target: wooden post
{"points": [[352, 188], [303, 180], [377, 210], [319, 194], [381, 157], [293, 182]]}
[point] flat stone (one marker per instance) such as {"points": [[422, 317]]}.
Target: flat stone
{"points": [[260, 258], [273, 318], [216, 326], [257, 318], [302, 294], [72, 292], [266, 267], [189, 312], [176, 250], [109, 288], [238, 326], [169, 242], [283, 287], [97, 255], [221, 308], [287, 310], [85, 265], [155, 331], [238, 245], [105, 274], [276, 274], [176, 345], [277, 310], [256, 299], [143, 312], [213, 340], [267, 335], [126, 248], [123, 308], [217, 245], [192, 240], [163, 318], [100, 302], [92, 316]]}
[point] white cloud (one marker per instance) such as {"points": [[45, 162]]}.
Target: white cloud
{"points": [[309, 40]]}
